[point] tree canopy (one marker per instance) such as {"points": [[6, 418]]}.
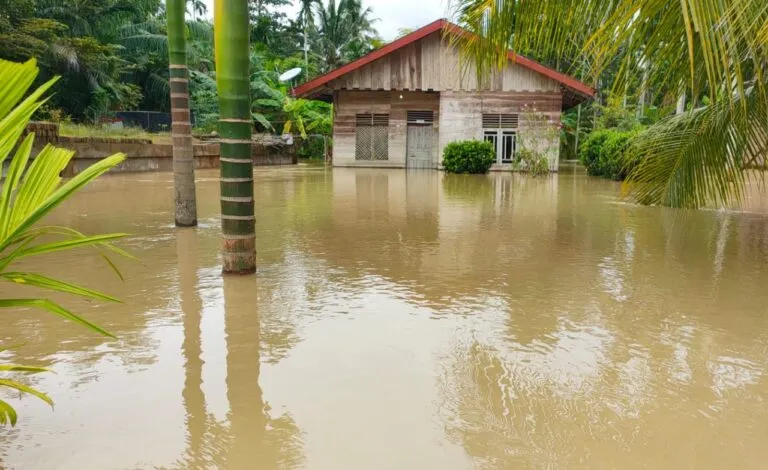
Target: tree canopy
{"points": [[112, 55]]}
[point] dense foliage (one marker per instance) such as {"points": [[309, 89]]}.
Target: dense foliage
{"points": [[112, 55], [694, 70], [606, 153], [468, 156]]}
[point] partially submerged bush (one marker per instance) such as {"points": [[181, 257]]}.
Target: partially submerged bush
{"points": [[538, 145], [469, 156], [533, 162], [604, 153]]}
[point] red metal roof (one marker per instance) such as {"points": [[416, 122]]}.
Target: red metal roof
{"points": [[421, 33]]}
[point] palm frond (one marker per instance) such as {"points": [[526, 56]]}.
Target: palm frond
{"points": [[698, 159], [29, 193]]}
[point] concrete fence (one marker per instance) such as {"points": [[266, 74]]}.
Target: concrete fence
{"points": [[143, 155]]}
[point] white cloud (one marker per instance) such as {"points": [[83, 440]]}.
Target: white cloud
{"points": [[394, 14]]}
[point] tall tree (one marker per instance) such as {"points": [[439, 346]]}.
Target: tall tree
{"points": [[238, 223], [346, 31], [181, 127], [197, 8], [307, 20]]}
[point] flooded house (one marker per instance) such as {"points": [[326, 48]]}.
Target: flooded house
{"points": [[400, 105]]}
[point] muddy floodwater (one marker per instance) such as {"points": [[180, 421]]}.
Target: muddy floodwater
{"points": [[403, 320]]}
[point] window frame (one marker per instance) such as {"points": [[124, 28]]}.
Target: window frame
{"points": [[497, 129]]}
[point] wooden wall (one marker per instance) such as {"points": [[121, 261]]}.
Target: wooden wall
{"points": [[347, 104], [432, 64]]}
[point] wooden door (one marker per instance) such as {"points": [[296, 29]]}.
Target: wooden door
{"points": [[420, 146]]}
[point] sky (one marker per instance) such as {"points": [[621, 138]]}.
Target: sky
{"points": [[393, 14]]}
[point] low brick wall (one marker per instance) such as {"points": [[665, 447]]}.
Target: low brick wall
{"points": [[143, 155]]}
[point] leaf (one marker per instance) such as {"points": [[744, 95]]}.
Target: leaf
{"points": [[55, 309], [270, 103], [7, 414], [62, 193], [44, 282], [18, 368], [261, 119], [16, 80], [25, 389], [69, 244], [697, 159]]}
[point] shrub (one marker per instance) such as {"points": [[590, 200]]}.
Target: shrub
{"points": [[604, 153], [470, 156], [533, 162], [589, 150], [539, 144]]}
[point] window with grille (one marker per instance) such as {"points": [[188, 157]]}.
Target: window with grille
{"points": [[372, 137], [500, 131]]}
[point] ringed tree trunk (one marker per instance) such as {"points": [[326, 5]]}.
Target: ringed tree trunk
{"points": [[238, 223], [181, 127]]}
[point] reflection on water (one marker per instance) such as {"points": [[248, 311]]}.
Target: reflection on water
{"points": [[405, 320]]}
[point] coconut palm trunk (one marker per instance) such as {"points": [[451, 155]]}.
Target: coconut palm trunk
{"points": [[238, 223], [181, 129]]}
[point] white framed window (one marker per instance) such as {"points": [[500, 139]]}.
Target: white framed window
{"points": [[501, 131]]}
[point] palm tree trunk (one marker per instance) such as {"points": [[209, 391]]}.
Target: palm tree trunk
{"points": [[306, 49], [181, 129], [643, 94], [578, 130], [681, 104], [238, 224]]}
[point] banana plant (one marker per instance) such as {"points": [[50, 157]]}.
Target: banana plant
{"points": [[32, 188]]}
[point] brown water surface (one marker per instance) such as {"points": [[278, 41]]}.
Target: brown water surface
{"points": [[404, 320]]}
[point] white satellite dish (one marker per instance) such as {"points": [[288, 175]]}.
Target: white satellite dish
{"points": [[290, 75]]}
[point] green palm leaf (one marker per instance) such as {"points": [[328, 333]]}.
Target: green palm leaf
{"points": [[31, 190], [712, 51]]}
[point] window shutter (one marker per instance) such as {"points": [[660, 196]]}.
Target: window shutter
{"points": [[500, 121], [421, 117], [372, 137]]}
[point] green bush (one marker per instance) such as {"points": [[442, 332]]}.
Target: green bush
{"points": [[469, 156], [604, 153]]}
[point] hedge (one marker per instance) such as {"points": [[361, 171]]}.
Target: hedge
{"points": [[604, 153], [469, 156]]}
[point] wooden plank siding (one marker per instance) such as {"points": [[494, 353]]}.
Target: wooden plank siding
{"points": [[431, 64], [430, 75], [349, 103]]}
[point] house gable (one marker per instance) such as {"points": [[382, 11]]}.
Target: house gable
{"points": [[424, 61], [431, 64]]}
